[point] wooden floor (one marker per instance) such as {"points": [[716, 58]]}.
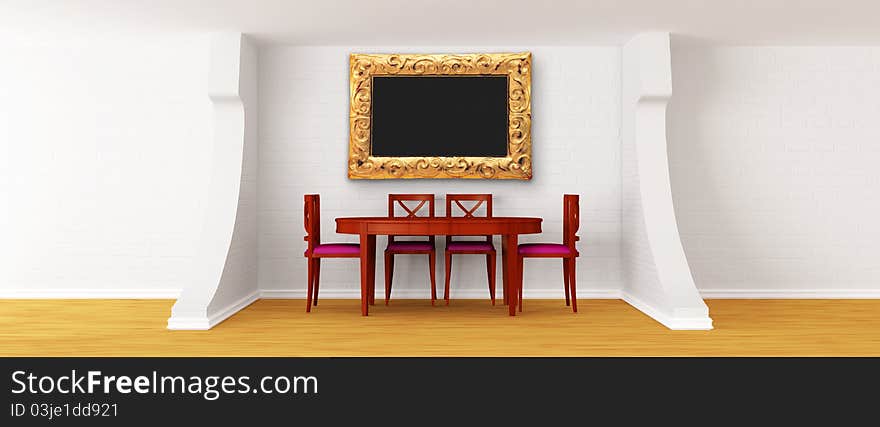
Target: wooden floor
{"points": [[414, 328]]}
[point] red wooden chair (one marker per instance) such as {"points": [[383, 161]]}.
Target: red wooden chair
{"points": [[410, 247], [317, 250], [566, 250], [481, 247]]}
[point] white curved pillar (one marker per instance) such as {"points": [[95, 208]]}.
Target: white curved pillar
{"points": [[657, 278], [225, 271]]}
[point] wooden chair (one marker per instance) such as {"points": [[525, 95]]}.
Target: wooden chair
{"points": [[566, 250], [481, 247], [317, 250], [410, 247]]}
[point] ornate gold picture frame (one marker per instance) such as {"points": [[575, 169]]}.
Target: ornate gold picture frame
{"points": [[516, 165]]}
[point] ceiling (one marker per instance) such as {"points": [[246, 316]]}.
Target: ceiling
{"points": [[463, 22]]}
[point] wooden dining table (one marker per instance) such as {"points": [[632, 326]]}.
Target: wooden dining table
{"points": [[509, 228]]}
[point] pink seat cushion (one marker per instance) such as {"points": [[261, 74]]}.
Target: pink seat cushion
{"points": [[337, 249], [410, 246], [543, 249], [469, 246]]}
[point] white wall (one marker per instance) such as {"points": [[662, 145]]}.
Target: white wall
{"points": [[105, 141], [304, 149], [775, 155], [224, 273], [238, 283], [656, 276]]}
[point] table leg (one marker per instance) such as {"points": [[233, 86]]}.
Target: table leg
{"points": [[365, 273], [368, 271], [512, 292], [505, 277], [371, 242]]}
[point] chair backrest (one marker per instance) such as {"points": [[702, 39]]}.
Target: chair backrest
{"points": [[312, 219], [453, 204], [411, 212], [571, 219]]}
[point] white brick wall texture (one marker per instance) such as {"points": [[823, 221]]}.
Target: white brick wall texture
{"points": [[304, 149], [773, 153], [774, 158]]}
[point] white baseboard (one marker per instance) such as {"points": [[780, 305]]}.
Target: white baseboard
{"points": [[147, 293], [188, 323], [97, 293], [671, 322], [209, 321], [790, 293], [426, 294]]}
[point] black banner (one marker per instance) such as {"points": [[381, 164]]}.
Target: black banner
{"points": [[169, 391]]}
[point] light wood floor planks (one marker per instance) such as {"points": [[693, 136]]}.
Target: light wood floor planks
{"points": [[414, 328]]}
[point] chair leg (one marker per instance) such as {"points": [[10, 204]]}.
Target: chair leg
{"points": [[432, 258], [573, 272], [565, 276], [311, 281], [448, 276], [519, 280], [389, 275], [317, 280], [490, 270]]}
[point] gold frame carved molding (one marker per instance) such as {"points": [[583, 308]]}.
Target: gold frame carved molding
{"points": [[516, 66]]}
